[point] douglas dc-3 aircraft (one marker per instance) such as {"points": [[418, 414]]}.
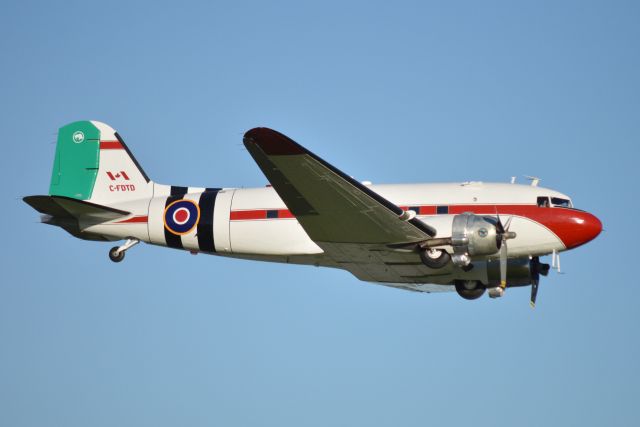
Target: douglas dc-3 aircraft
{"points": [[470, 237]]}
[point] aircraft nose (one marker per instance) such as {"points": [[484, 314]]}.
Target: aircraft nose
{"points": [[586, 228]]}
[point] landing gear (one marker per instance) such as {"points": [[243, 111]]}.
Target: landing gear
{"points": [[116, 253], [469, 289], [435, 258]]}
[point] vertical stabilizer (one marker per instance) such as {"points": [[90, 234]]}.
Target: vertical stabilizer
{"points": [[93, 163]]}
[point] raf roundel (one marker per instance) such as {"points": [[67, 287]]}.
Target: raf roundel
{"points": [[181, 216]]}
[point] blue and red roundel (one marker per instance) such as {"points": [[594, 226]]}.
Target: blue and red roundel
{"points": [[181, 216]]}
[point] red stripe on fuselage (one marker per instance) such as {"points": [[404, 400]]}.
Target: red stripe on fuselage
{"points": [[256, 214], [111, 145], [248, 215], [251, 214], [573, 227], [135, 219], [285, 214]]}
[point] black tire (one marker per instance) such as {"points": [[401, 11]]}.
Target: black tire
{"points": [[114, 255], [462, 287], [435, 262]]}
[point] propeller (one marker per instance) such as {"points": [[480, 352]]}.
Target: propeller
{"points": [[503, 235], [537, 268]]}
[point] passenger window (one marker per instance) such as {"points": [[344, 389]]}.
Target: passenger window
{"points": [[543, 202]]}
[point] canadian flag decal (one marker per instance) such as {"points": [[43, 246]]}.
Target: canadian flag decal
{"points": [[121, 174]]}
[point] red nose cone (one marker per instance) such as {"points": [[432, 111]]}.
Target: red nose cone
{"points": [[582, 228]]}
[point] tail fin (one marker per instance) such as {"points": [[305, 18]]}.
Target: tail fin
{"points": [[93, 163]]}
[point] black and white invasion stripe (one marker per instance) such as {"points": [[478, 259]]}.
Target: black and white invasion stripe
{"points": [[207, 204], [204, 229]]}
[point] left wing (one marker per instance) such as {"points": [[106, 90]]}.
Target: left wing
{"points": [[356, 227], [331, 206]]}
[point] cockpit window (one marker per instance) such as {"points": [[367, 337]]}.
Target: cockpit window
{"points": [[562, 203], [543, 202]]}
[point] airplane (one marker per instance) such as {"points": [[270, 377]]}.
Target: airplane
{"points": [[469, 237]]}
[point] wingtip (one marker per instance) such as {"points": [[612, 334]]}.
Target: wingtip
{"points": [[272, 142], [31, 200]]}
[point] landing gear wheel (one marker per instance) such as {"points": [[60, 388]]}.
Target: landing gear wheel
{"points": [[435, 258], [469, 289], [116, 256]]}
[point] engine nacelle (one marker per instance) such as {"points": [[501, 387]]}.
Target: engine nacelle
{"points": [[473, 235]]}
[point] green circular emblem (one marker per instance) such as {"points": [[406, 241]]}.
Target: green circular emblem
{"points": [[78, 137], [483, 232]]}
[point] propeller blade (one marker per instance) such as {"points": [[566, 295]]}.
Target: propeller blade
{"points": [[508, 224], [499, 226], [503, 265], [534, 293]]}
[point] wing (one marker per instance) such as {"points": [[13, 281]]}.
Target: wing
{"points": [[331, 206], [356, 227]]}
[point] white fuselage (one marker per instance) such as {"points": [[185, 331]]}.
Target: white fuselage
{"points": [[255, 223]]}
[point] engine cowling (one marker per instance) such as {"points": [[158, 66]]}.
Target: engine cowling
{"points": [[473, 235]]}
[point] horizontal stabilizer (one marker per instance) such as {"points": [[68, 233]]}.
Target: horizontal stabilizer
{"points": [[61, 207]]}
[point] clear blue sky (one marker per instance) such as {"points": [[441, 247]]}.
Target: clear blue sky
{"points": [[388, 92]]}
